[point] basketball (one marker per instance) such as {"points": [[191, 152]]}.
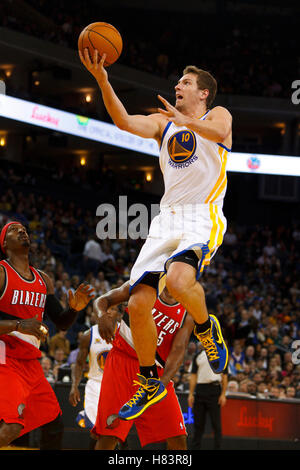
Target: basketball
{"points": [[105, 38]]}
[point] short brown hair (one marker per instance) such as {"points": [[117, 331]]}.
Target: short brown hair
{"points": [[204, 81]]}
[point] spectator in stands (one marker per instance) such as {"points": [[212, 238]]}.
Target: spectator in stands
{"points": [[59, 360], [262, 390], [46, 364], [103, 285], [236, 361], [92, 255], [232, 387], [251, 388], [59, 342], [73, 354]]}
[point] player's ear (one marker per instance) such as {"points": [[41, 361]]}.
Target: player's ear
{"points": [[204, 94]]}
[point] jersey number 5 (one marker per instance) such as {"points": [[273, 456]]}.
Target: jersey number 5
{"points": [[161, 337]]}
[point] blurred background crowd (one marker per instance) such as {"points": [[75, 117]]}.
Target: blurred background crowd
{"points": [[252, 58]]}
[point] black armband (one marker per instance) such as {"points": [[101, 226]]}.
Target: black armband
{"points": [[63, 319]]}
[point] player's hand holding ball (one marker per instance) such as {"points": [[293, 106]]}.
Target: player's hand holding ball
{"points": [[99, 45], [95, 67]]}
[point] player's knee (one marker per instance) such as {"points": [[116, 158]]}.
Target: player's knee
{"points": [[140, 302], [178, 283], [9, 432], [181, 279]]}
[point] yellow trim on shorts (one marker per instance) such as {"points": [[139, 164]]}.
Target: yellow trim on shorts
{"points": [[216, 234]]}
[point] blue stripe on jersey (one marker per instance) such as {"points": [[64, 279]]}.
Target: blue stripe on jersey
{"points": [[165, 131], [226, 148], [203, 117], [91, 338]]}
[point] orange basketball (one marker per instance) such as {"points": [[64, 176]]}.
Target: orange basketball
{"points": [[105, 38]]}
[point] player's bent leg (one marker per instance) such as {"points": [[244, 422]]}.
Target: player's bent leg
{"points": [[9, 432], [182, 284], [142, 325], [177, 443], [106, 443], [151, 390]]}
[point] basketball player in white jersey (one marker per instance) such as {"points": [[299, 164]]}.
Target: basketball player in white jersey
{"points": [[94, 348], [194, 142]]}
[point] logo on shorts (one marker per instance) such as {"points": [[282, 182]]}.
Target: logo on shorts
{"points": [[181, 148], [21, 408]]}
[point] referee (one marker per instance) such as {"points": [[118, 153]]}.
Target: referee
{"points": [[206, 395]]}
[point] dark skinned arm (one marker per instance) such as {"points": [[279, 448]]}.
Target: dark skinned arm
{"points": [[106, 318], [78, 367], [176, 355], [63, 319]]}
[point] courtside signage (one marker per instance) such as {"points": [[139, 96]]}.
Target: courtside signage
{"points": [[99, 131]]}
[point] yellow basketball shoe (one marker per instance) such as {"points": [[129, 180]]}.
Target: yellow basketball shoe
{"points": [[214, 346]]}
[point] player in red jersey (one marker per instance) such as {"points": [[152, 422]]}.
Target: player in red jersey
{"points": [[165, 421], [27, 400]]}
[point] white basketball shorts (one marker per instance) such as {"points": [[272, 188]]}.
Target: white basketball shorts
{"points": [[91, 397], [175, 230]]}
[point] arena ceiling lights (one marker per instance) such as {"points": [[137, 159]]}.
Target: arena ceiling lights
{"points": [[80, 126]]}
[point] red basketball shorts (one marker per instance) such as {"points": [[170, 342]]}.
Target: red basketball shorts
{"points": [[26, 397], [158, 423]]}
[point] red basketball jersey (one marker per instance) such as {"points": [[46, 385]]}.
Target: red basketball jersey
{"points": [[22, 299], [168, 319]]}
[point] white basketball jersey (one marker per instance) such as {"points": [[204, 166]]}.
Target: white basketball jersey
{"points": [[194, 168], [97, 354]]}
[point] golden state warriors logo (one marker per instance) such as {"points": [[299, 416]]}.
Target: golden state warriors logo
{"points": [[181, 148], [101, 358]]}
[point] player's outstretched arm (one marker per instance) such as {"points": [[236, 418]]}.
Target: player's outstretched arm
{"points": [[64, 318], [216, 127], [144, 126], [176, 355]]}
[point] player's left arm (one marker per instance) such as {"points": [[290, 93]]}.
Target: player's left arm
{"points": [[176, 355], [64, 318], [78, 367], [217, 125]]}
